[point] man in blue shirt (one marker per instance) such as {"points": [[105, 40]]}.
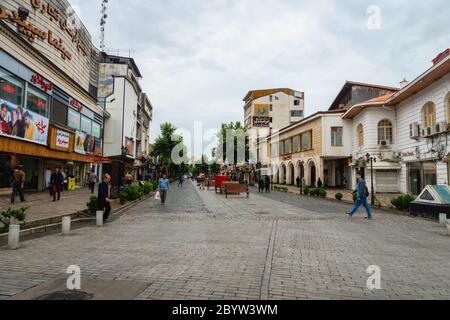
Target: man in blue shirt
{"points": [[104, 203], [362, 194], [163, 188]]}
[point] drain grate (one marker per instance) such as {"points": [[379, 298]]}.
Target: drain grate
{"points": [[66, 295]]}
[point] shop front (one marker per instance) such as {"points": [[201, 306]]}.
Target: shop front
{"points": [[421, 174]]}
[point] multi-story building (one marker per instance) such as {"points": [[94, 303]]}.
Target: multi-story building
{"points": [[267, 111], [423, 115], [406, 132], [126, 131], [318, 147], [144, 118], [373, 132], [48, 93]]}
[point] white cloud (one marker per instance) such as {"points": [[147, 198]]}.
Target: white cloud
{"points": [[199, 58]]}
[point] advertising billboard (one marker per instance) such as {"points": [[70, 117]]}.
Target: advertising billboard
{"points": [[22, 124], [84, 143]]}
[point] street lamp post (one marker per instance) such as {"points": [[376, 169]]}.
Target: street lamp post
{"points": [[371, 160]]}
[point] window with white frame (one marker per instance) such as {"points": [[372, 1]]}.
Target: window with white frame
{"points": [[385, 132], [336, 136]]}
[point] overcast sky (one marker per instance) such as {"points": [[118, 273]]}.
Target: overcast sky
{"points": [[200, 57]]}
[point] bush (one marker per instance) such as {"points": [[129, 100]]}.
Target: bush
{"points": [[131, 193], [306, 191], [339, 196], [148, 187], [12, 216], [92, 204], [322, 193], [314, 192], [402, 202]]}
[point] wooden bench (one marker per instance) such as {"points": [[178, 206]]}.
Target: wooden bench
{"points": [[223, 184], [236, 188]]}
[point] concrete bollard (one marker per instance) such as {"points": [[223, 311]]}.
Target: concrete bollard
{"points": [[99, 218], [66, 221], [13, 236], [443, 218]]}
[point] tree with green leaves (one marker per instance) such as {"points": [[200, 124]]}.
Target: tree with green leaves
{"points": [[169, 146]]}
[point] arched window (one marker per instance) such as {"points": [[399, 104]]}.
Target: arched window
{"points": [[385, 132], [429, 115], [360, 135]]}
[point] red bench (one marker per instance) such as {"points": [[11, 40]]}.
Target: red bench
{"points": [[235, 188]]}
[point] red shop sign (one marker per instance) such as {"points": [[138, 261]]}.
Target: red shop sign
{"points": [[41, 82], [76, 104]]}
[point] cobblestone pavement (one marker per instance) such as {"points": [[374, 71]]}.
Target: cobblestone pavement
{"points": [[203, 246]]}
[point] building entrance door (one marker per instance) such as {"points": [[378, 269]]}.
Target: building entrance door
{"points": [[5, 171], [31, 168]]}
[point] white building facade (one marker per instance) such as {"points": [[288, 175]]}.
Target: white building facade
{"points": [[407, 133]]}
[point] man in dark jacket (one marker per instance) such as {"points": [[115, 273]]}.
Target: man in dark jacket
{"points": [[56, 182], [17, 184], [267, 184], [261, 184], [104, 203]]}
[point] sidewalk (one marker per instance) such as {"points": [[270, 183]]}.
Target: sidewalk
{"points": [[383, 198], [41, 205]]}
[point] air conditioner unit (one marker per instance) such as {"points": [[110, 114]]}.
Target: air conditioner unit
{"points": [[442, 127], [423, 132], [414, 130], [429, 131]]}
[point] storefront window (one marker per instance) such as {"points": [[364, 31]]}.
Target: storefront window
{"points": [[86, 125], [73, 120], [58, 112], [5, 171], [11, 88], [31, 168], [96, 130], [429, 174], [37, 102], [421, 174]]}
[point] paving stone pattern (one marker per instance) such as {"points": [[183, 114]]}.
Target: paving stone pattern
{"points": [[278, 246]]}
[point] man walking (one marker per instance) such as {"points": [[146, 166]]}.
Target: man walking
{"points": [[298, 182], [362, 194], [261, 184], [180, 181], [267, 184], [92, 179], [17, 184], [56, 183], [104, 203], [163, 188]]}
